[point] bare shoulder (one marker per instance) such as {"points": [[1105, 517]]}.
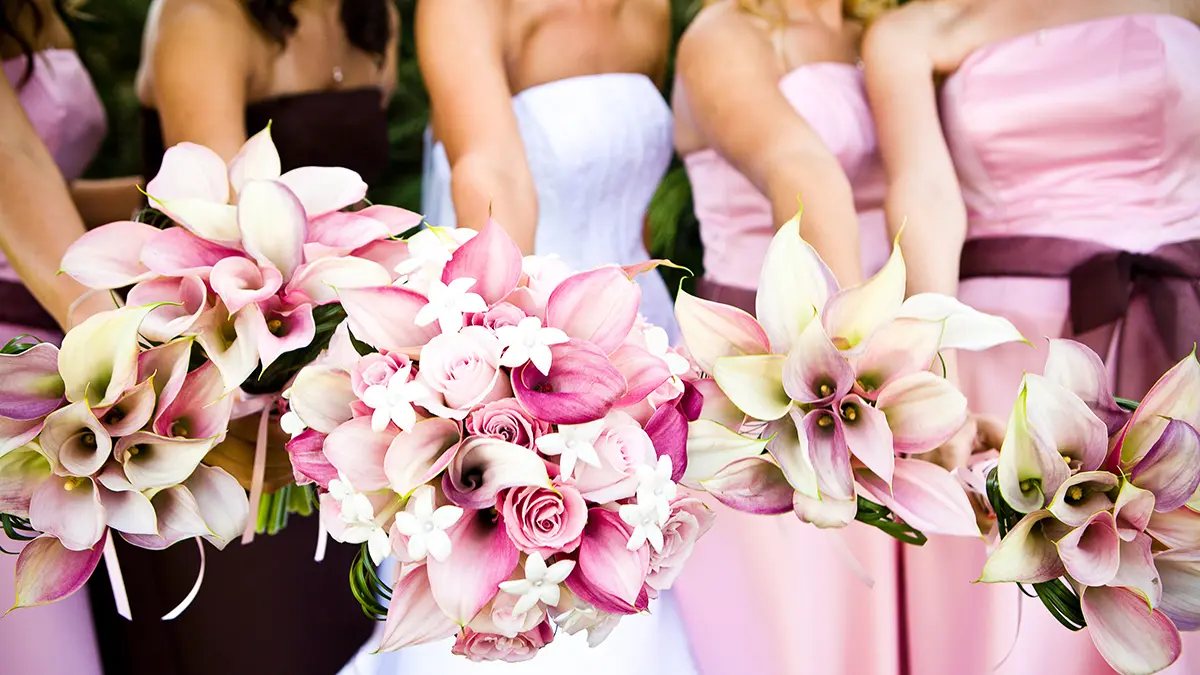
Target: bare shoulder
{"points": [[449, 17], [185, 30], [226, 14], [926, 27], [719, 30]]}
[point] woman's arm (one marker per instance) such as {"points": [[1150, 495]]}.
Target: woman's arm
{"points": [[732, 94], [923, 193], [37, 218], [460, 50], [197, 65], [107, 200], [389, 73]]}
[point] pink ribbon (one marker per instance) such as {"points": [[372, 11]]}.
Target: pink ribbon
{"points": [[195, 587], [259, 472], [115, 578]]}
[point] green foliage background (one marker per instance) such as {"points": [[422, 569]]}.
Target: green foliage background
{"points": [[108, 34]]}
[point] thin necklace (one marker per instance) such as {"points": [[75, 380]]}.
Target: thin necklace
{"points": [[337, 74]]}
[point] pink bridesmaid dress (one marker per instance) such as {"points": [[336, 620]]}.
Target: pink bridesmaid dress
{"points": [[62, 103], [1086, 137], [770, 595]]}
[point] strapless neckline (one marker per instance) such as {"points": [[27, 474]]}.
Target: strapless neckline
{"points": [[831, 66], [581, 80], [984, 51]]}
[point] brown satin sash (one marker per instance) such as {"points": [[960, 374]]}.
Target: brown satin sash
{"points": [[19, 307], [1150, 301]]}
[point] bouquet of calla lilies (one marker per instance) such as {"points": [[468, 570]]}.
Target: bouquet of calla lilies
{"points": [[1096, 502], [512, 434], [838, 387]]}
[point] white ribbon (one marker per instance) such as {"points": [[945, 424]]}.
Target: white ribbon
{"points": [[195, 587], [115, 579]]}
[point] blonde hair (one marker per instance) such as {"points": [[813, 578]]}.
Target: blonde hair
{"points": [[771, 11]]}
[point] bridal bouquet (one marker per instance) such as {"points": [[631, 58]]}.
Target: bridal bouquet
{"points": [[838, 387], [1098, 506], [512, 434]]}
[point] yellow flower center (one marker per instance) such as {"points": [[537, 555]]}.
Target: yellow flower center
{"points": [[1075, 493], [824, 421], [275, 326]]}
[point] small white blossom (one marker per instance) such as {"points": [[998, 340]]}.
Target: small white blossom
{"points": [[428, 254], [647, 527], [585, 617], [394, 401], [359, 516], [658, 344], [529, 341], [573, 443], [655, 486], [448, 303], [291, 424], [426, 526], [540, 583]]}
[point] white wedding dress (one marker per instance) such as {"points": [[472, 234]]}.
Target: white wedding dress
{"points": [[597, 147]]}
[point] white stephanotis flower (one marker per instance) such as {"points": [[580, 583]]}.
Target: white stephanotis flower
{"points": [[655, 486], [291, 424], [447, 304], [429, 250], [573, 443], [394, 401], [540, 583], [658, 344], [529, 341], [583, 616], [426, 526], [647, 527], [358, 514]]}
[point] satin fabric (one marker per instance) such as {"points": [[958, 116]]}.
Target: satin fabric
{"points": [[771, 595], [62, 104], [1089, 131]]}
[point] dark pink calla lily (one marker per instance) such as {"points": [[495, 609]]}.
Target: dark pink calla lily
{"points": [[30, 386], [481, 556], [307, 454], [481, 467], [491, 259], [668, 430], [752, 485], [643, 373], [608, 575], [582, 385], [47, 571], [599, 306]]}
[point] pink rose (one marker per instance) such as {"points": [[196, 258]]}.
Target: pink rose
{"points": [[689, 519], [503, 314], [491, 647], [376, 369], [507, 420], [464, 367], [498, 618], [622, 447], [544, 520]]}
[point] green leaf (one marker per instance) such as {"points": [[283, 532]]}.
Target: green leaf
{"points": [[366, 586], [882, 518], [327, 318], [20, 344]]}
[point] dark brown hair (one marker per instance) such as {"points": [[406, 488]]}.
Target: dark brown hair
{"points": [[366, 22], [10, 18]]}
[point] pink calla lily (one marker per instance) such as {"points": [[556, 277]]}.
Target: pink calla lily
{"points": [[30, 386], [192, 188], [222, 504], [1171, 469], [1176, 529], [1133, 510], [483, 466], [258, 159], [643, 373], [1080, 371], [273, 225], [582, 385], [239, 282], [1176, 396], [358, 452], [1131, 637], [853, 314], [201, 410], [481, 556], [153, 461], [178, 518], [187, 298], [324, 189], [668, 431], [319, 280], [926, 496], [923, 411], [68, 508], [715, 405], [309, 463], [1082, 496], [15, 434], [599, 306], [110, 256], [1092, 552], [752, 485], [415, 458], [278, 329], [229, 342], [1026, 554], [21, 472], [1179, 571], [125, 509], [1137, 571], [342, 232], [165, 367], [790, 446], [414, 617], [492, 260], [607, 574], [827, 513], [385, 317], [897, 349], [74, 441], [815, 372], [712, 330], [176, 252], [48, 572], [132, 412]]}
